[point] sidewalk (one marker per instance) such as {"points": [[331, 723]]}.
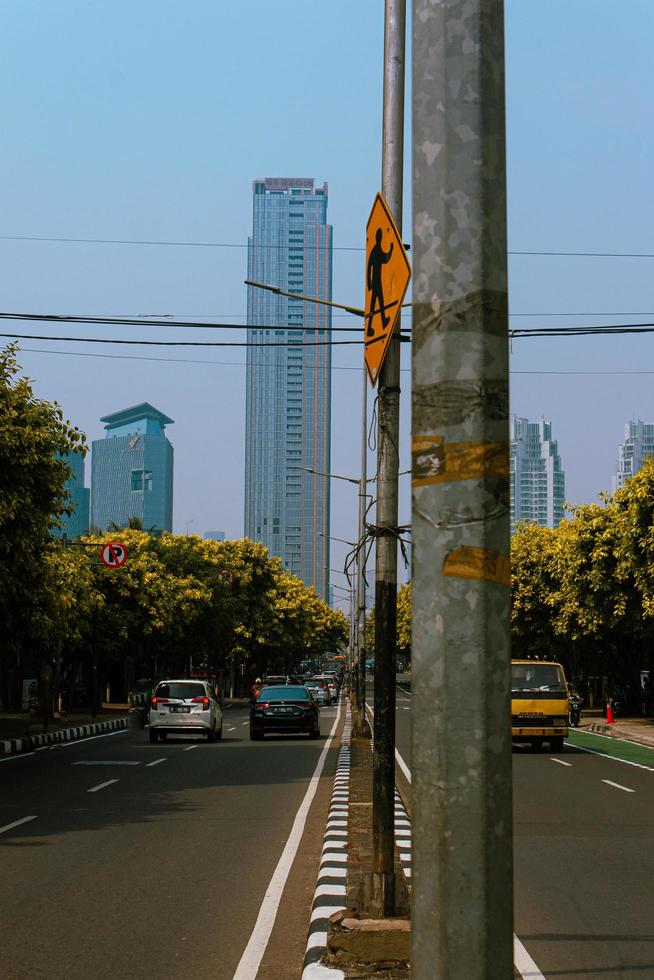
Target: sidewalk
{"points": [[635, 729]]}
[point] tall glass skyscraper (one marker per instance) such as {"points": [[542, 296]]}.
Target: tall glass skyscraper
{"points": [[537, 480], [638, 446], [132, 470], [77, 522], [288, 397]]}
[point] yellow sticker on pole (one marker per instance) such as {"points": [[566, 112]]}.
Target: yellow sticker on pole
{"points": [[387, 277]]}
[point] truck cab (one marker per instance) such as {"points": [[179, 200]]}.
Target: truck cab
{"points": [[540, 710]]}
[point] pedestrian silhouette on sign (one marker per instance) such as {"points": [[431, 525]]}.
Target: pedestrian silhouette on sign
{"points": [[378, 258]]}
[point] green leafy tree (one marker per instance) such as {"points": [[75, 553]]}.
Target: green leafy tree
{"points": [[34, 438]]}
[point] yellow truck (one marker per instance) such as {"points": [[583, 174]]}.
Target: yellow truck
{"points": [[540, 709]]}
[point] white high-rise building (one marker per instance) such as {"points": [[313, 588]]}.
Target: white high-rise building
{"points": [[537, 480], [638, 445]]}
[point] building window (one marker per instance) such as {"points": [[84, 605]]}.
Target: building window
{"points": [[137, 479]]}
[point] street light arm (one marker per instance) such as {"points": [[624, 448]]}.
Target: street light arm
{"points": [[307, 299]]}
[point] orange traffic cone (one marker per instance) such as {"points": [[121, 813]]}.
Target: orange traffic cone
{"points": [[610, 720]]}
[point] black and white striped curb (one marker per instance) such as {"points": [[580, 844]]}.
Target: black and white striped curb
{"points": [[331, 888], [402, 828], [10, 746]]}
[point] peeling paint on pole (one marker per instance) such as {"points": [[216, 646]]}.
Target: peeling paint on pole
{"points": [[462, 907]]}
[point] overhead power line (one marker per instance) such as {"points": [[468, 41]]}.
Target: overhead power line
{"points": [[608, 330], [335, 367], [185, 343], [335, 248], [123, 321]]}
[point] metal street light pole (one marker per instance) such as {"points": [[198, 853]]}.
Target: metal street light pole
{"points": [[461, 793], [388, 432]]}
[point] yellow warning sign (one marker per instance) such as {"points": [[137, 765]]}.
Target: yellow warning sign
{"points": [[387, 276]]}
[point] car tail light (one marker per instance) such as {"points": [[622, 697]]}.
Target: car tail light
{"points": [[203, 701], [156, 701]]}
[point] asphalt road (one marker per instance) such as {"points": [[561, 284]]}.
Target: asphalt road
{"points": [[153, 860], [583, 854]]}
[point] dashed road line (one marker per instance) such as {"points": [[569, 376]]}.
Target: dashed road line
{"points": [[95, 789], [560, 761], [625, 789], [16, 823], [189, 748], [155, 762], [232, 729]]}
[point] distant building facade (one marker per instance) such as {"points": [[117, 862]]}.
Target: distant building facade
{"points": [[638, 446], [132, 470], [76, 523], [288, 393], [537, 479], [214, 535]]}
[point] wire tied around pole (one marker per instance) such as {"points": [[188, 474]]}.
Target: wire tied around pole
{"points": [[372, 532]]}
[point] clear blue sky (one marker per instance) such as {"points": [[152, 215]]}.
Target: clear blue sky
{"points": [[150, 119]]}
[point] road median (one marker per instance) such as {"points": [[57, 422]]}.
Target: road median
{"points": [[70, 733]]}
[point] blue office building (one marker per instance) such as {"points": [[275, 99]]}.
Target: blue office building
{"points": [[132, 470], [288, 396], [76, 523]]}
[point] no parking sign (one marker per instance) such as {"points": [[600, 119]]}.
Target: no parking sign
{"points": [[113, 554]]}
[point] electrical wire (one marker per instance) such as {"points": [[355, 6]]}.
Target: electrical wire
{"points": [[335, 248], [165, 360], [151, 322], [608, 330], [185, 343], [335, 367]]}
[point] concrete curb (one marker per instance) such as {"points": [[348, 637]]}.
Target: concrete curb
{"points": [[11, 746], [615, 731], [331, 887]]}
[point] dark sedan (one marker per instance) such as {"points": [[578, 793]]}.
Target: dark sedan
{"points": [[284, 709]]}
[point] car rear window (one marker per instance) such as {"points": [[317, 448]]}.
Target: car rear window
{"points": [[181, 691], [287, 693]]}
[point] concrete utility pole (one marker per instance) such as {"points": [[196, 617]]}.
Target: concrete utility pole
{"points": [[462, 912], [388, 435]]}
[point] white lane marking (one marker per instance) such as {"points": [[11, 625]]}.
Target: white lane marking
{"points": [[398, 758], [155, 762], [89, 738], [95, 789], [524, 963], [105, 762], [16, 823], [250, 961], [625, 789], [560, 761], [17, 755], [189, 748], [245, 723], [232, 729]]}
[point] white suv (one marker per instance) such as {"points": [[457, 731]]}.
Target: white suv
{"points": [[185, 707]]}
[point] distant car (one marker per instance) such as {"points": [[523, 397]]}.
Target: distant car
{"points": [[370, 665], [284, 709], [185, 707], [273, 679], [331, 684], [319, 692]]}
